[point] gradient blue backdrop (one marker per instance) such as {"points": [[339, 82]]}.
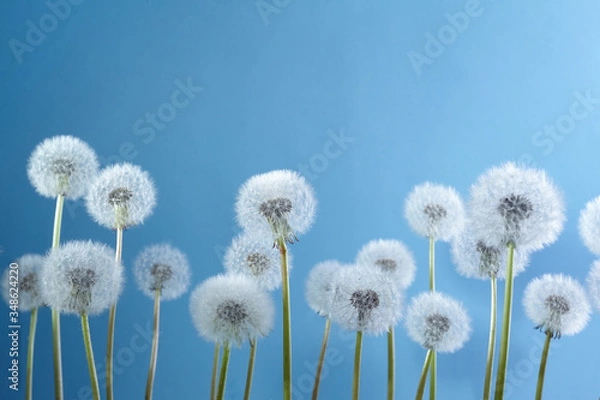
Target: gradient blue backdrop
{"points": [[280, 79]]}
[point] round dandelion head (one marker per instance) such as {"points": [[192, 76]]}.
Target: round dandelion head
{"points": [[162, 267], [516, 205], [365, 300], [438, 322], [474, 259], [319, 286], [122, 196], [593, 283], [232, 309], [435, 211], [557, 304], [256, 259], [81, 277], [277, 204], [62, 165], [391, 257], [24, 281], [589, 225]]}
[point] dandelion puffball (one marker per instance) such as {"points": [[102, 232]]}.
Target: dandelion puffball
{"points": [[319, 286], [438, 322], [392, 257], [365, 300], [162, 267], [557, 304], [593, 283], [435, 211], [474, 259], [27, 275], [257, 259], [231, 309], [510, 204], [62, 165], [122, 195], [81, 277], [589, 225], [278, 204]]}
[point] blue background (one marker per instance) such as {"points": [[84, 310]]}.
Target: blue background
{"points": [[275, 88]]}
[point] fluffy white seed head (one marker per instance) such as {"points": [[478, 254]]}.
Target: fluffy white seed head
{"points": [[557, 304], [257, 259], [437, 321], [277, 204], [123, 195], [81, 277], [435, 210], [589, 225], [366, 300], [473, 259], [593, 283], [162, 267], [27, 279], [518, 205], [62, 165], [319, 289], [391, 257], [231, 308]]}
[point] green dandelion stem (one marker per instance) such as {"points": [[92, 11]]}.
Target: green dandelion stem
{"points": [[154, 354], [111, 325], [357, 354], [542, 373], [250, 369], [489, 366], [223, 375], [87, 340], [213, 380], [287, 322], [58, 380], [315, 393], [423, 380], [391, 363], [31, 345]]}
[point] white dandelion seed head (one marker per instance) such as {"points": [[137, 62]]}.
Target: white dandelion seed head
{"points": [[276, 204], [589, 225], [162, 267], [510, 204], [435, 210], [62, 165], [366, 300], [474, 259], [593, 283], [29, 282], [257, 259], [123, 195], [557, 303], [319, 288], [81, 277], [392, 257], [438, 322], [231, 308]]}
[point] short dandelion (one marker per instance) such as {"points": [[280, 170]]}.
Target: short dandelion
{"points": [[122, 196], [519, 208], [61, 167], [365, 300], [557, 305], [231, 309], [82, 278], [162, 272], [589, 225], [278, 205], [22, 292]]}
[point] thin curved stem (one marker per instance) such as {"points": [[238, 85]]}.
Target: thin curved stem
{"points": [[423, 379], [391, 364], [433, 377], [506, 315], [87, 340], [56, 348], [357, 354], [315, 393], [111, 325], [431, 264], [287, 322], [250, 369], [154, 354], [213, 380], [223, 375], [542, 373], [489, 365], [433, 362], [30, 350]]}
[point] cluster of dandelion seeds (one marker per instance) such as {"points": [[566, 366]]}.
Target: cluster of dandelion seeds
{"points": [[319, 288], [30, 295], [390, 256], [162, 267], [589, 225]]}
